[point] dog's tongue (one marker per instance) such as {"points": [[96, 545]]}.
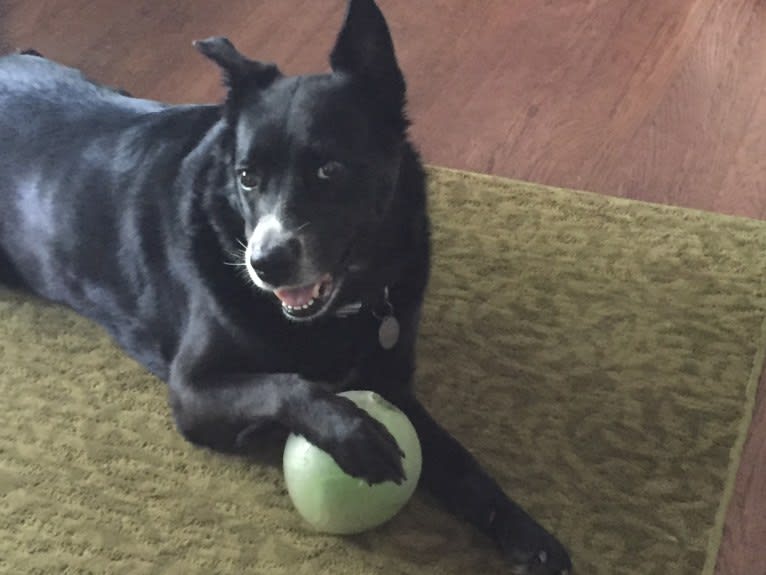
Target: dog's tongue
{"points": [[298, 297], [304, 295]]}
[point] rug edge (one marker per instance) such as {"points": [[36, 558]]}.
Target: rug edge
{"points": [[735, 456], [596, 195]]}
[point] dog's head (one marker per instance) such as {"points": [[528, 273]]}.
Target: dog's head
{"points": [[315, 159]]}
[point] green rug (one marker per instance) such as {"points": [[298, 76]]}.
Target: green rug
{"points": [[600, 356]]}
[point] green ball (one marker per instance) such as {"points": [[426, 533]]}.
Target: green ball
{"points": [[334, 502]]}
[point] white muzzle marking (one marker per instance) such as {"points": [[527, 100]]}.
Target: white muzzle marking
{"points": [[268, 224]]}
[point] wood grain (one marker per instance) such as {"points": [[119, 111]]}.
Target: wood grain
{"points": [[660, 101]]}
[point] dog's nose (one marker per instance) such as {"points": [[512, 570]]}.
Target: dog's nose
{"points": [[275, 266]]}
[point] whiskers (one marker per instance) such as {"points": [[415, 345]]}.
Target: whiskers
{"points": [[238, 260]]}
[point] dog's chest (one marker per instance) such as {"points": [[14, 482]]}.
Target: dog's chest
{"points": [[327, 352]]}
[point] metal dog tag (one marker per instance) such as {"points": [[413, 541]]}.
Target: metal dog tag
{"points": [[388, 334]]}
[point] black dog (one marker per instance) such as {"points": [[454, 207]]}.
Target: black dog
{"points": [[258, 255]]}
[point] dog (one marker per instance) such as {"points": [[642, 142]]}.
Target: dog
{"points": [[258, 255]]}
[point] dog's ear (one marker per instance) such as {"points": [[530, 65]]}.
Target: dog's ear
{"points": [[239, 72], [365, 51]]}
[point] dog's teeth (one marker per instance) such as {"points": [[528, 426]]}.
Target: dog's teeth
{"points": [[293, 308]]}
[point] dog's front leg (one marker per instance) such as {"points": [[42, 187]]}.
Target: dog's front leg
{"points": [[222, 411], [452, 474], [455, 477]]}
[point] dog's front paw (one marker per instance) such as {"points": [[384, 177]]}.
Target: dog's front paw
{"points": [[362, 446], [528, 548]]}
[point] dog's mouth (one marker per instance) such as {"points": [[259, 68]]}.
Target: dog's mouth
{"points": [[307, 301]]}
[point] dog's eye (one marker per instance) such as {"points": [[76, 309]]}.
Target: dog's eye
{"points": [[329, 171], [248, 180]]}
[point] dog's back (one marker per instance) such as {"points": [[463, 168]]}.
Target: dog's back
{"points": [[55, 125], [71, 229], [42, 99]]}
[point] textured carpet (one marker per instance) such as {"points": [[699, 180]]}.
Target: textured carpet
{"points": [[599, 355]]}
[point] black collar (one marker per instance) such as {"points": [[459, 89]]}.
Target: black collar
{"points": [[380, 308]]}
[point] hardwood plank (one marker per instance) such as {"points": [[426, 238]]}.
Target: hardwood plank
{"points": [[708, 111], [744, 189]]}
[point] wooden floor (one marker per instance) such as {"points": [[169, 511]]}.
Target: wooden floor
{"points": [[652, 99]]}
